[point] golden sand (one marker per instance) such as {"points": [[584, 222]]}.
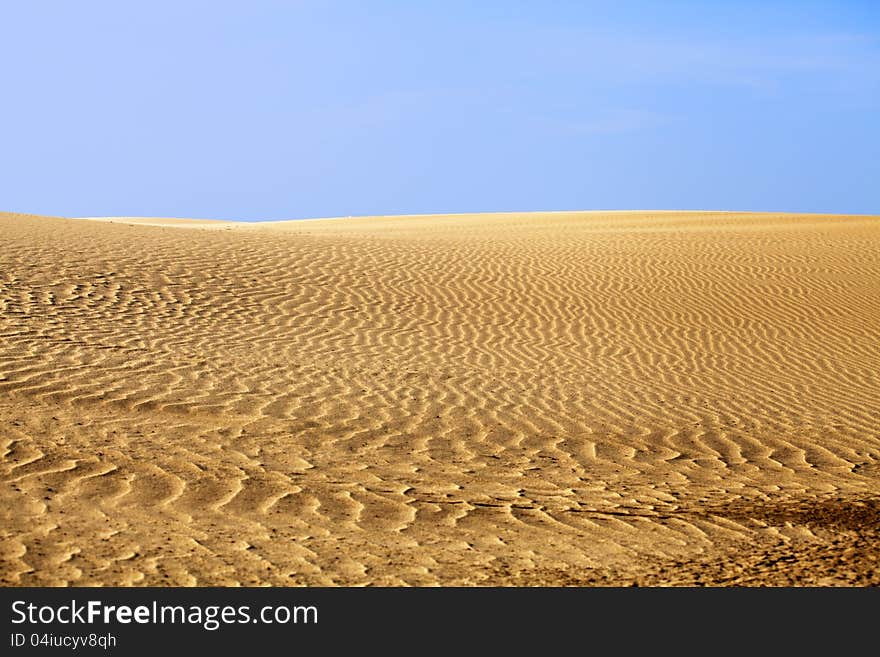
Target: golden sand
{"points": [[563, 398]]}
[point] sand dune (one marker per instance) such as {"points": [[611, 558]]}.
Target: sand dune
{"points": [[564, 398]]}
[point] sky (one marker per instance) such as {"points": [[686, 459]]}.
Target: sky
{"points": [[281, 110]]}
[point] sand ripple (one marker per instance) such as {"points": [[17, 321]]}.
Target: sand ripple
{"points": [[568, 398]]}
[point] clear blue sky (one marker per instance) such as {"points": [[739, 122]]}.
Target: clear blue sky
{"points": [[275, 110]]}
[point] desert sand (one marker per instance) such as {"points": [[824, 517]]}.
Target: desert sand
{"points": [[617, 398]]}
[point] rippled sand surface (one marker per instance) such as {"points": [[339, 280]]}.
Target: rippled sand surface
{"points": [[513, 399]]}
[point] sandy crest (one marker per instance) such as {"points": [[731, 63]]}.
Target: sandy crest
{"points": [[561, 398]]}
